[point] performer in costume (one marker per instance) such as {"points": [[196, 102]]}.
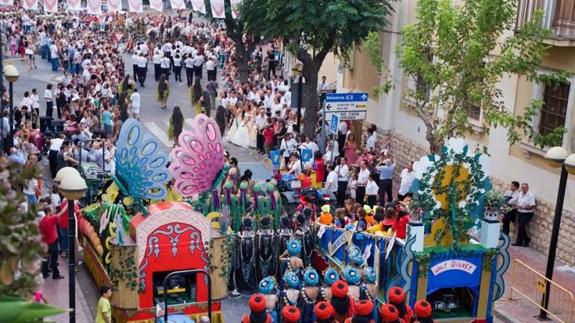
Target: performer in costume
{"points": [[266, 244], [324, 312], [291, 314], [341, 302], [267, 287], [284, 235], [368, 289], [353, 278], [423, 312], [305, 234], [291, 293], [309, 295], [389, 314], [257, 310], [246, 239], [363, 313], [330, 276], [291, 257], [396, 297]]}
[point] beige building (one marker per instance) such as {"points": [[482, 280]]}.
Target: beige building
{"points": [[523, 161]]}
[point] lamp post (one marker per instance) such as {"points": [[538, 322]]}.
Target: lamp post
{"points": [[557, 157], [297, 71], [72, 186], [12, 75]]}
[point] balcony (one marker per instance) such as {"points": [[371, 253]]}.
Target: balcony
{"points": [[559, 16]]}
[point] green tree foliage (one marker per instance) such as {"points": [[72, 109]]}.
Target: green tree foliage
{"points": [[21, 249], [457, 53], [311, 30]]}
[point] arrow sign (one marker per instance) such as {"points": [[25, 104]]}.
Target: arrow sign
{"points": [[349, 106]]}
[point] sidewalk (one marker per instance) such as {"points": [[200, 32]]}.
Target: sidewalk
{"points": [[519, 309], [56, 293]]}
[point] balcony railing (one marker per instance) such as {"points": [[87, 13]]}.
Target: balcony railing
{"points": [[559, 16]]}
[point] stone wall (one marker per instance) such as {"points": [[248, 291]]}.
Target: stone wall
{"points": [[405, 150]]}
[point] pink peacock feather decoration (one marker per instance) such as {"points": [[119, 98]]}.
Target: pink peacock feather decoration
{"points": [[198, 163]]}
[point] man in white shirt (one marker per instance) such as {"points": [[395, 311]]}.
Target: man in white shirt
{"points": [[342, 171], [135, 70], [156, 60], [371, 191], [372, 139], [362, 178], [189, 63], [525, 203], [198, 63], [54, 57], [135, 104], [165, 63], [211, 69], [407, 176], [511, 215], [341, 135], [260, 123], [35, 101], [48, 97], [27, 101], [142, 69], [331, 180]]}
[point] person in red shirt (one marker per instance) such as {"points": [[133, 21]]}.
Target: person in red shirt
{"points": [[268, 134], [305, 179], [48, 227], [400, 226], [319, 167]]}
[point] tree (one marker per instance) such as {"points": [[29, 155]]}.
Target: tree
{"points": [[235, 29], [456, 54], [311, 30]]}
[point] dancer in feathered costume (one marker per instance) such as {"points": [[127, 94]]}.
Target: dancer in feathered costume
{"points": [[257, 310], [368, 289], [291, 293], [246, 238], [396, 297], [267, 287], [284, 235], [309, 295], [266, 244], [353, 277], [305, 233], [341, 302], [330, 276]]}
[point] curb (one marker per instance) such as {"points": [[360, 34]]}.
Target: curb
{"points": [[504, 316]]}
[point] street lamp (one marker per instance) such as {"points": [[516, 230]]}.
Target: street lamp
{"points": [[12, 75], [72, 186], [557, 157]]}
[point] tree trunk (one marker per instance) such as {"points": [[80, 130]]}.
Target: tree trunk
{"points": [[310, 99], [435, 144]]}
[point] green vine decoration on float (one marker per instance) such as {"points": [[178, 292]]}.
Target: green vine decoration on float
{"points": [[125, 272], [450, 186]]}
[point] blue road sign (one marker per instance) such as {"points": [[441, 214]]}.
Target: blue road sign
{"points": [[346, 97], [334, 124]]}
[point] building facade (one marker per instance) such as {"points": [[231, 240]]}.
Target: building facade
{"points": [[523, 161]]}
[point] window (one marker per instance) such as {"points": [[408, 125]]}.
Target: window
{"points": [[474, 112], [554, 109]]}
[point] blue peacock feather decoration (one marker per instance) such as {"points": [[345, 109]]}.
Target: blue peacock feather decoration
{"points": [[141, 170]]}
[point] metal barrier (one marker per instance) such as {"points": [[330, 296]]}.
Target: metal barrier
{"points": [[531, 284]]}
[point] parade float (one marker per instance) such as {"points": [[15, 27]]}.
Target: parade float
{"points": [[454, 255], [153, 220]]}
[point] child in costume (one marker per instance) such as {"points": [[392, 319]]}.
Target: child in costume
{"points": [[324, 312], [257, 310], [291, 293], [267, 288], [363, 313], [325, 217], [330, 276], [291, 314], [309, 295], [396, 297], [342, 304], [389, 314], [423, 312]]}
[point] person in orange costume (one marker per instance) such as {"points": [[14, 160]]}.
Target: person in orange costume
{"points": [[325, 218]]}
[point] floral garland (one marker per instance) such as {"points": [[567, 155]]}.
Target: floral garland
{"points": [[443, 175]]}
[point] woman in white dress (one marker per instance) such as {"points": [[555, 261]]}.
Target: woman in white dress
{"points": [[242, 136], [235, 122]]}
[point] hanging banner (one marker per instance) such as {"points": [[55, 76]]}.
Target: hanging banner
{"points": [[135, 6], [199, 6], [50, 5], [94, 7], [156, 5], [114, 5], [179, 4], [6, 2], [74, 5], [218, 8], [30, 4], [235, 8]]}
